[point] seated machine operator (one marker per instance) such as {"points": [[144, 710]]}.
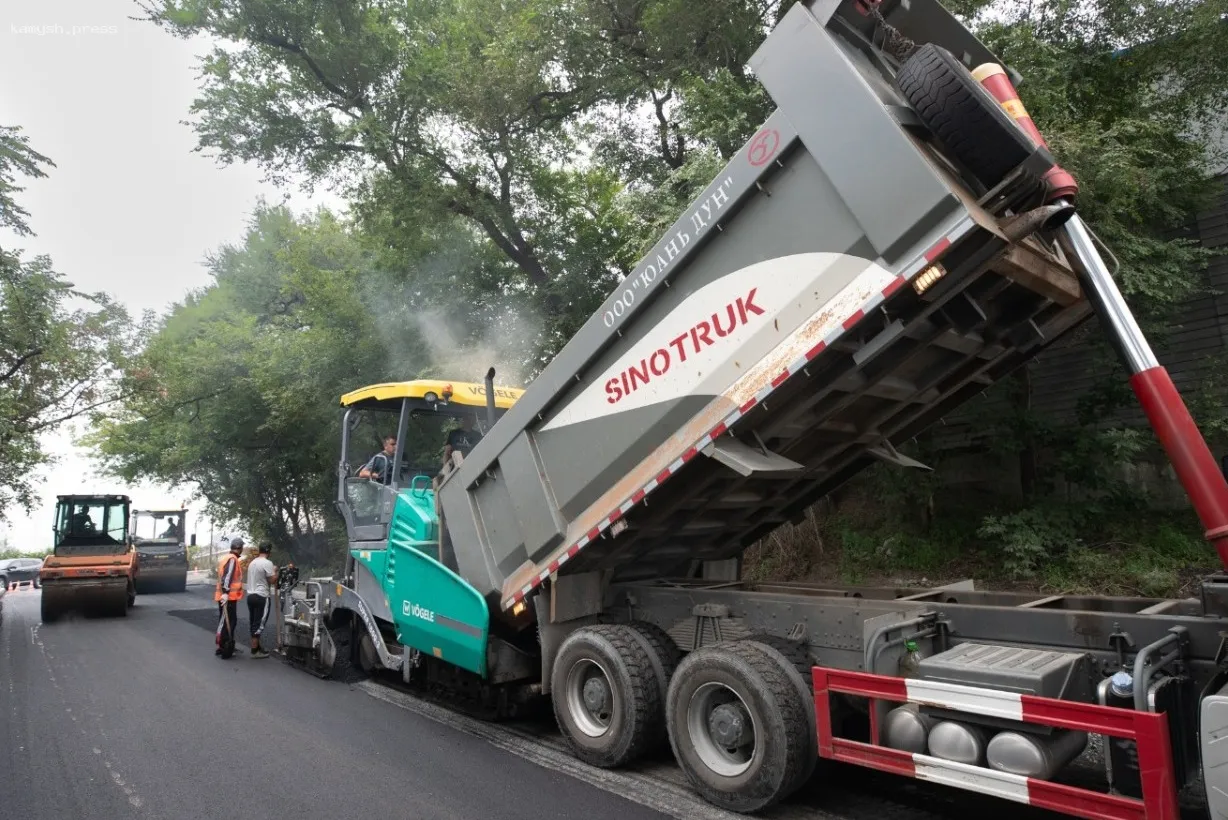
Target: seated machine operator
{"points": [[379, 468]]}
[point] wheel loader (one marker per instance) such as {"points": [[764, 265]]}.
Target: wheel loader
{"points": [[94, 568]]}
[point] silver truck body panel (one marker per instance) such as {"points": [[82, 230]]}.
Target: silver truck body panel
{"points": [[769, 347]]}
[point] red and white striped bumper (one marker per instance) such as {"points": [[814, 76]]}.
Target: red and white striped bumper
{"points": [[1149, 730]]}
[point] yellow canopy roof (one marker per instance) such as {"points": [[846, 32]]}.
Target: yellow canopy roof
{"points": [[468, 393]]}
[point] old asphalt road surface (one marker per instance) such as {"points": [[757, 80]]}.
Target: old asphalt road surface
{"points": [[135, 717]]}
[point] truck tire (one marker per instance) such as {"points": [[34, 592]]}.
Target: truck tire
{"points": [[664, 655], [969, 123], [49, 612], [738, 726], [606, 697], [794, 658]]}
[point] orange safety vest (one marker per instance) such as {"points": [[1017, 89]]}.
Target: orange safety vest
{"points": [[229, 578]]}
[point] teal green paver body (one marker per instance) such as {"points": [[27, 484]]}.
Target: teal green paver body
{"points": [[433, 609]]}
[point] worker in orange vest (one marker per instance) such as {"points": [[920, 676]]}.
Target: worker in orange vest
{"points": [[227, 593]]}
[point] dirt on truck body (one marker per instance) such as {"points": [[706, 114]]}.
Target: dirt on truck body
{"points": [[895, 238], [93, 568]]}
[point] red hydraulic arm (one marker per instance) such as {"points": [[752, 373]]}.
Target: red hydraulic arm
{"points": [[1174, 427]]}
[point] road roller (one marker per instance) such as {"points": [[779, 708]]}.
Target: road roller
{"points": [[94, 567]]}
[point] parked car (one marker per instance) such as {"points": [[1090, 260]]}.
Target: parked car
{"points": [[13, 570]]}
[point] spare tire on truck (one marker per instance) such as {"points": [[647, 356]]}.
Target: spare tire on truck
{"points": [[738, 725], [967, 121]]}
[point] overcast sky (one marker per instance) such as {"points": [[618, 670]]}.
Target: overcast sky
{"points": [[129, 208]]}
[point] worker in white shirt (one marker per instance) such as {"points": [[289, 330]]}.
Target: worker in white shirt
{"points": [[261, 582]]}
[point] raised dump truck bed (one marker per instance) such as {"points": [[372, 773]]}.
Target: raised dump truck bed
{"points": [[773, 343], [865, 264]]}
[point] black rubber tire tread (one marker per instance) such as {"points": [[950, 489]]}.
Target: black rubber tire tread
{"points": [[794, 656], [664, 655], [970, 124], [779, 713], [638, 709], [48, 613]]}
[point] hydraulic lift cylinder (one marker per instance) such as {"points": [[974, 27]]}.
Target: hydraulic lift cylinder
{"points": [[1184, 444]]}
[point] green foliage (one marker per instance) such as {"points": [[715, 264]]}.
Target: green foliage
{"points": [[17, 158], [237, 389], [514, 123], [60, 348], [1034, 536]]}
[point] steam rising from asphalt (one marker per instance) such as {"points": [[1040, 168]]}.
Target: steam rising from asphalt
{"points": [[458, 341], [507, 343]]}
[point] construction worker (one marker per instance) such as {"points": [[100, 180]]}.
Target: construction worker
{"points": [[227, 593], [261, 585], [463, 439], [379, 468]]}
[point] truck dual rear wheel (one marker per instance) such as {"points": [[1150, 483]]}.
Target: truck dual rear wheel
{"points": [[606, 694], [738, 725]]}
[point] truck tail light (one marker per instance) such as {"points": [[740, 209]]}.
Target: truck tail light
{"points": [[926, 278]]}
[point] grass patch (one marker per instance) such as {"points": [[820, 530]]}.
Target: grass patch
{"points": [[1052, 548]]}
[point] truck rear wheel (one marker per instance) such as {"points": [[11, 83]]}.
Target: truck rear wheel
{"points": [[48, 610], [607, 699], [664, 655], [795, 661], [738, 725]]}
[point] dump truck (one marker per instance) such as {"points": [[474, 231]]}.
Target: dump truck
{"points": [[93, 567], [895, 238], [162, 549]]}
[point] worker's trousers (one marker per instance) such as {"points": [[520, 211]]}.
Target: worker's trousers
{"points": [[227, 617]]}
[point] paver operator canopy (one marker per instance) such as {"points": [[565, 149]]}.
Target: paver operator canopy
{"points": [[420, 415]]}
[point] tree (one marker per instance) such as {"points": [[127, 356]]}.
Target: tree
{"points": [[486, 117], [236, 390], [60, 349]]}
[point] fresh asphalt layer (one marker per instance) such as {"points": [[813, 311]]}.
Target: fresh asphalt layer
{"points": [[135, 717]]}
